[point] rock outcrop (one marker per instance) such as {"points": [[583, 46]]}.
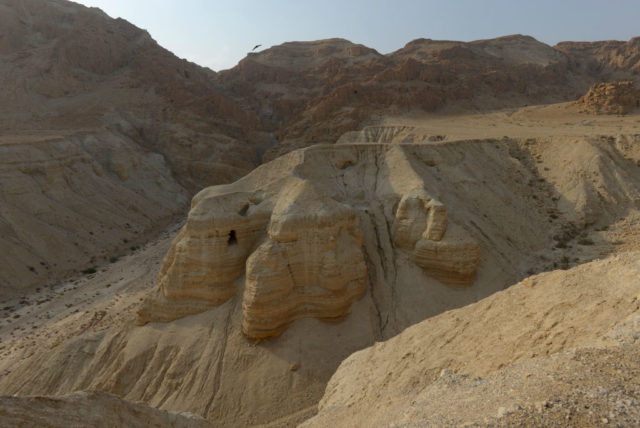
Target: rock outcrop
{"points": [[291, 249], [294, 250], [420, 225], [299, 254], [300, 257], [312, 264], [611, 98]]}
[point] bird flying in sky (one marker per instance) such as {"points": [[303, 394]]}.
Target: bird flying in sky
{"points": [[256, 47]]}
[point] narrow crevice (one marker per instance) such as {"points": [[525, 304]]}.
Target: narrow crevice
{"points": [[217, 379], [372, 274]]}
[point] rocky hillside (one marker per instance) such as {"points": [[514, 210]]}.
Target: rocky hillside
{"points": [[69, 68], [277, 278], [312, 92], [101, 123], [560, 347], [104, 135]]}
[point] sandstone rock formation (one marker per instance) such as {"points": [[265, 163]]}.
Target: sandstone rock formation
{"points": [[303, 258], [296, 250], [255, 238], [611, 98], [104, 136], [311, 265], [420, 225]]}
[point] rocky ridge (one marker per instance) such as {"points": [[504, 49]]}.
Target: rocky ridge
{"points": [[313, 92]]}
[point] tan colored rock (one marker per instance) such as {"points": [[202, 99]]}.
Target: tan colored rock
{"points": [[209, 254], [311, 266], [419, 216], [611, 98], [293, 249], [420, 226], [453, 260]]}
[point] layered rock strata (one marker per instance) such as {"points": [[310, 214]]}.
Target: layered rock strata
{"points": [[420, 226], [293, 249], [311, 265]]}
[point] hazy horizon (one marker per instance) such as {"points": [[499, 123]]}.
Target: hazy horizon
{"points": [[219, 34]]}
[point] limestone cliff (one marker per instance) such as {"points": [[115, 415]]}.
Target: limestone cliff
{"points": [[299, 256], [420, 225], [311, 265]]}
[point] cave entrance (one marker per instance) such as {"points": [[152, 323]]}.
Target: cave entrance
{"points": [[232, 238]]}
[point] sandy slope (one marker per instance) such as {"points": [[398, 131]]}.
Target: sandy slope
{"points": [[396, 381], [89, 410]]}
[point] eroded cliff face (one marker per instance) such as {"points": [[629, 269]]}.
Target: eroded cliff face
{"points": [[300, 256], [291, 249], [311, 265], [305, 235]]}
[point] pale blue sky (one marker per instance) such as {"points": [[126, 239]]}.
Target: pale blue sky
{"points": [[218, 33]]}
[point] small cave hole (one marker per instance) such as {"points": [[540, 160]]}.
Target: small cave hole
{"points": [[232, 238], [243, 210]]}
